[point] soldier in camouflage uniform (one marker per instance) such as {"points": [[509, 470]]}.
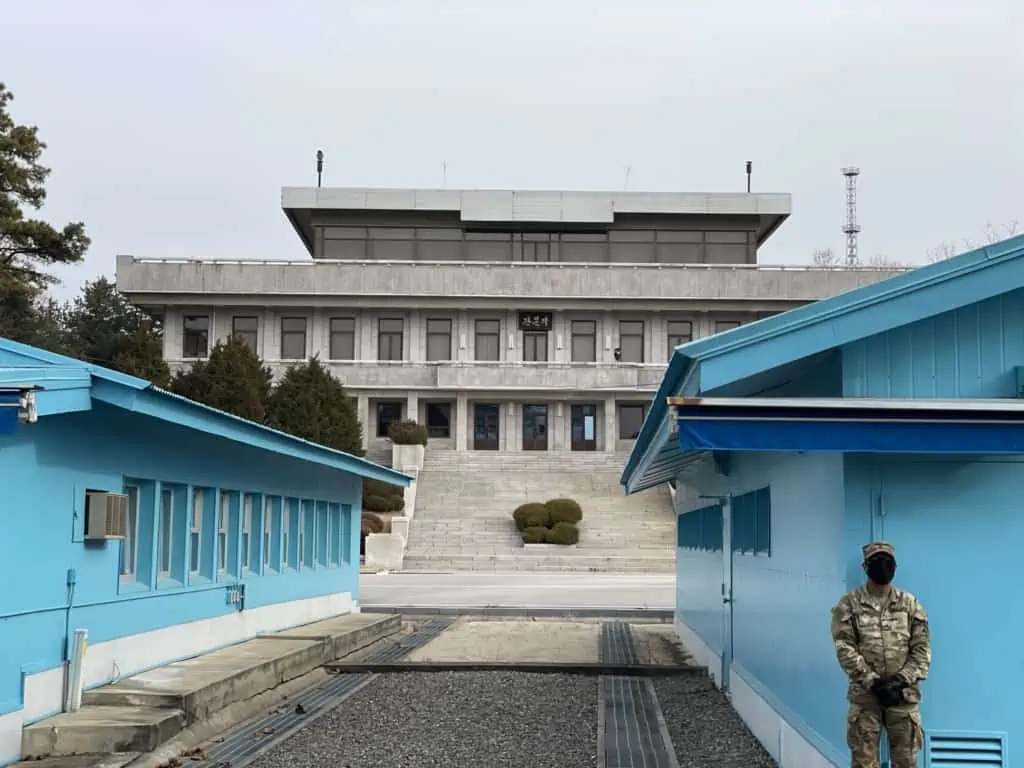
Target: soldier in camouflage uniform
{"points": [[881, 638]]}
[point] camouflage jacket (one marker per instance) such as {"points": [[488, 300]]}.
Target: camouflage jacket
{"points": [[877, 637]]}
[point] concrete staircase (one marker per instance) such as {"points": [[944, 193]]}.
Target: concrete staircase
{"points": [[464, 514]]}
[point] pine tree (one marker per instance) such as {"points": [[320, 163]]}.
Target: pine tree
{"points": [[311, 403], [142, 356], [232, 379]]}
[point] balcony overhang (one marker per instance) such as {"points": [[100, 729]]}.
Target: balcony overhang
{"points": [[498, 206]]}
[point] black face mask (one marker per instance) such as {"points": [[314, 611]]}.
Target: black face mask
{"points": [[881, 569]]}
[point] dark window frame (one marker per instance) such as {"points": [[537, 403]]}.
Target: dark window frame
{"points": [[436, 431], [581, 334], [387, 339], [397, 415], [531, 341], [631, 407], [674, 338], [199, 337], [494, 335], [337, 338], [632, 336], [437, 335], [245, 334], [290, 334]]}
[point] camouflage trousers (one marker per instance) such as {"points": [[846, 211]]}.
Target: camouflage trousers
{"points": [[864, 730]]}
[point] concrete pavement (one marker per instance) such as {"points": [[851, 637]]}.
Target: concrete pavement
{"points": [[621, 591]]}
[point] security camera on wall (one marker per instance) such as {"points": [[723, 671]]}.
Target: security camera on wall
{"points": [[618, 354]]}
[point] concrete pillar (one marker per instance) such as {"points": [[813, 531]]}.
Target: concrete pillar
{"points": [[363, 410], [174, 330], [557, 431], [365, 349], [512, 427], [610, 424], [412, 407], [415, 337], [607, 338], [462, 422]]}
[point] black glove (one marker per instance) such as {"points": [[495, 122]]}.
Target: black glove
{"points": [[888, 691]]}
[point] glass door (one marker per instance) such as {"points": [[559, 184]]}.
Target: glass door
{"points": [[584, 428], [486, 430], [535, 427]]}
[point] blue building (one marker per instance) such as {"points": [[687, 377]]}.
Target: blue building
{"points": [[230, 529], [889, 412]]}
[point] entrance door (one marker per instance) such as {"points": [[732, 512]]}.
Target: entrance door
{"points": [[535, 427], [486, 432], [584, 428], [727, 598]]}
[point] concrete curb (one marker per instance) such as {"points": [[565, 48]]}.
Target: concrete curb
{"points": [[648, 614], [540, 667]]}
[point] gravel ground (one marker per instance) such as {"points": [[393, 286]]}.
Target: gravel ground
{"points": [[705, 729], [454, 720]]}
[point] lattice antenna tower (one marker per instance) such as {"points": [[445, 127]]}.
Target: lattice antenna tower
{"points": [[851, 229]]}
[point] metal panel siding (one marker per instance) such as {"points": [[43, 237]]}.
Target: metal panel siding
{"points": [[781, 603], [955, 524], [966, 353]]}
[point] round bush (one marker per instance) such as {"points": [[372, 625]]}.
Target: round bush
{"points": [[407, 433], [535, 534], [562, 533], [373, 503], [564, 511], [397, 502], [373, 487], [531, 515]]}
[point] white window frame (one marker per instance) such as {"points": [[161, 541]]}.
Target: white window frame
{"points": [[165, 537], [130, 545], [246, 531], [301, 559], [268, 509], [196, 533], [286, 526], [222, 532]]}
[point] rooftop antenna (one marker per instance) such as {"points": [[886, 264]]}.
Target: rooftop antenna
{"points": [[319, 167], [750, 168], [851, 229], [625, 181], [444, 174]]}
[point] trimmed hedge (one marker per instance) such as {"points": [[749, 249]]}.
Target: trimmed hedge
{"points": [[531, 516], [407, 433], [564, 511], [379, 496], [562, 533], [535, 534]]}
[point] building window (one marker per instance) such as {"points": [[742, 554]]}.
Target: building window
{"points": [[390, 331], [535, 346], [130, 544], [293, 338], [195, 340], [343, 338], [631, 418], [439, 420], [246, 329], [286, 529], [246, 531], [388, 412], [679, 332], [700, 529], [726, 325], [584, 341], [752, 522], [439, 339], [196, 533], [631, 341], [488, 340], [222, 532], [268, 510], [301, 560], [166, 535]]}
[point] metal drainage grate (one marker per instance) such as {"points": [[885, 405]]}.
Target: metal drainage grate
{"points": [[242, 744], [632, 730]]}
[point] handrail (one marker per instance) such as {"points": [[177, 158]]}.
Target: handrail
{"points": [[523, 264]]}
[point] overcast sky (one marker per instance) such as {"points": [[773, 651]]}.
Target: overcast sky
{"points": [[172, 126]]}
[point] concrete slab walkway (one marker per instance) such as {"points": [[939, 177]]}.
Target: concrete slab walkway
{"points": [[569, 591]]}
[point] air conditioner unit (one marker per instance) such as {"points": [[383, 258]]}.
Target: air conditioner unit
{"points": [[106, 516]]}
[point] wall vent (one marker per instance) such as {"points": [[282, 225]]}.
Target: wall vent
{"points": [[106, 516], [959, 749]]}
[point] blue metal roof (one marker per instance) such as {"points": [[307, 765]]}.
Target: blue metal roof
{"points": [[25, 365], [706, 364]]}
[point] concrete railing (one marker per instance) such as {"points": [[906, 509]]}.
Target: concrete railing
{"points": [[153, 278], [386, 551]]}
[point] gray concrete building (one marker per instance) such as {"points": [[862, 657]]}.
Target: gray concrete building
{"points": [[502, 320]]}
